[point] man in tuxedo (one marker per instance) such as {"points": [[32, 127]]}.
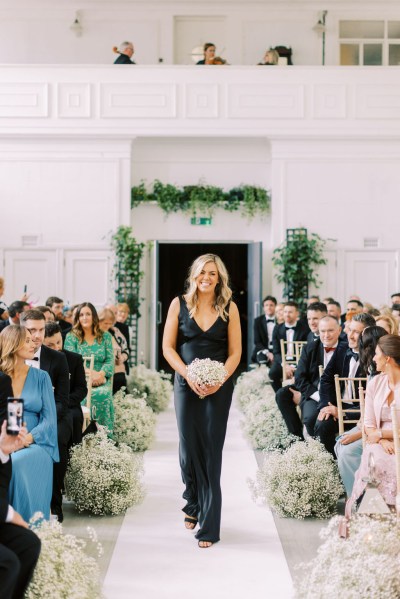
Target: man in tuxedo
{"points": [[395, 297], [263, 329], [55, 363], [77, 379], [56, 305], [345, 363], [292, 329], [14, 312], [305, 391], [19, 546]]}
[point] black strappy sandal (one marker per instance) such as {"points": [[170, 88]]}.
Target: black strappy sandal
{"points": [[190, 520]]}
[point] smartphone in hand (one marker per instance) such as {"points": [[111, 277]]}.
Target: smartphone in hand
{"points": [[15, 415]]}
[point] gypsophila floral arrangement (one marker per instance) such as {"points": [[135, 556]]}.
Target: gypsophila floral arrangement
{"points": [[300, 482], [364, 566], [156, 385], [263, 422], [64, 570], [135, 421], [104, 478], [206, 372]]}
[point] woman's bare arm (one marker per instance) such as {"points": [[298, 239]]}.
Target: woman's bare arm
{"points": [[234, 340], [170, 339]]}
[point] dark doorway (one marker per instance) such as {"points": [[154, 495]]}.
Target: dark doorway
{"points": [[174, 260]]}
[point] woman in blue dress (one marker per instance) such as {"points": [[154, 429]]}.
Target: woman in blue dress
{"points": [[31, 484]]}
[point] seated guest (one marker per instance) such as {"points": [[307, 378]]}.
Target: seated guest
{"points": [[14, 313], [292, 329], [86, 338], [48, 314], [396, 311], [387, 322], [19, 546], [349, 446], [315, 354], [354, 306], [279, 313], [380, 395], [345, 363], [209, 54], [334, 310], [120, 347], [218, 60], [327, 300], [315, 311], [55, 364], [395, 297], [32, 467], [271, 57], [77, 379], [263, 328], [125, 51], [56, 305], [122, 312]]}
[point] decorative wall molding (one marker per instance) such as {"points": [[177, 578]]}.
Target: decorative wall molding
{"points": [[331, 102]]}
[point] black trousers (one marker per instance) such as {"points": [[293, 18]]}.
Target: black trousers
{"points": [[77, 424], [64, 433], [288, 409], [19, 552], [309, 413], [326, 431], [275, 374]]}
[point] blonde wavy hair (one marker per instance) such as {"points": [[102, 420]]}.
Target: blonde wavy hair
{"points": [[390, 321], [12, 339], [223, 293]]}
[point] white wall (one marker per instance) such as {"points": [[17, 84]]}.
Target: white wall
{"points": [[38, 31]]}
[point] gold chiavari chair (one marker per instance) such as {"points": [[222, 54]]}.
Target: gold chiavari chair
{"points": [[88, 362], [290, 352], [353, 386], [395, 411]]}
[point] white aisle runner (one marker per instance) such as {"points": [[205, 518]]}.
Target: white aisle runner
{"points": [[155, 557]]}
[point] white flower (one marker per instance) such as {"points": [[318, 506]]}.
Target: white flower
{"points": [[134, 422], [300, 482], [206, 372], [156, 386], [103, 478], [64, 570], [364, 566]]}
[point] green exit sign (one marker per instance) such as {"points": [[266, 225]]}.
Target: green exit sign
{"points": [[201, 220]]}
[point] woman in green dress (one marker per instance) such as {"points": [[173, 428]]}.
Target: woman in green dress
{"points": [[86, 338]]}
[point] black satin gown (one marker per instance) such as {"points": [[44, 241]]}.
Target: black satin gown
{"points": [[202, 424]]}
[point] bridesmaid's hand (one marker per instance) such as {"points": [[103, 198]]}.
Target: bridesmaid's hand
{"points": [[196, 388], [211, 390]]}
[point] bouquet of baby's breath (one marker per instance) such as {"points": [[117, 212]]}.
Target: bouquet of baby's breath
{"points": [[104, 478], [264, 425], [206, 372], [302, 481], [364, 566], [135, 421], [156, 385], [64, 570]]}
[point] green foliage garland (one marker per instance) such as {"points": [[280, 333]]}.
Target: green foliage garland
{"points": [[128, 254], [203, 199]]}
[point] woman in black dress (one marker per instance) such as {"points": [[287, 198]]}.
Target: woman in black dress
{"points": [[203, 323]]}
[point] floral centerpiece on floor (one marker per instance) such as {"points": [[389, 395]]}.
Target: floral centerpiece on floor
{"points": [[364, 566], [300, 482], [206, 373], [64, 570], [263, 422], [156, 385], [135, 421], [104, 478]]}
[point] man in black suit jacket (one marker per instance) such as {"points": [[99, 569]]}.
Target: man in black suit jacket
{"points": [[56, 305], [263, 329], [292, 329], [345, 363], [19, 546], [14, 312], [55, 363], [77, 379], [125, 51]]}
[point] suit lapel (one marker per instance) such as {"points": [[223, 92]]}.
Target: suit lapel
{"points": [[45, 359]]}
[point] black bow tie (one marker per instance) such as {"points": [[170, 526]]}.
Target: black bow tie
{"points": [[36, 359], [353, 354], [270, 319], [290, 328]]}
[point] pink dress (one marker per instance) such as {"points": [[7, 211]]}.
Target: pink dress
{"points": [[377, 415]]}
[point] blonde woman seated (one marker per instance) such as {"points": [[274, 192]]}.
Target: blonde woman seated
{"points": [[31, 485], [120, 347], [271, 57], [381, 392], [387, 322], [87, 338]]}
